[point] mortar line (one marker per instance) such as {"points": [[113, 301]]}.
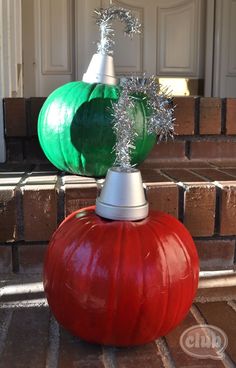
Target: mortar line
{"points": [[54, 344], [165, 353], [232, 304], [201, 320], [108, 357], [4, 327], [212, 299]]}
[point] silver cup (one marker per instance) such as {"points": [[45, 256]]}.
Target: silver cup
{"points": [[122, 196], [101, 70]]}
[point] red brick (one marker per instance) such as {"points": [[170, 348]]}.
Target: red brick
{"points": [[36, 177], [231, 116], [31, 258], [215, 293], [14, 150], [15, 167], [225, 163], [213, 174], [218, 150], [8, 214], [79, 196], [216, 254], [163, 197], [33, 150], [138, 357], [40, 211], [171, 150], [27, 339], [228, 209], [199, 208], [181, 359], [15, 117], [151, 175], [231, 172], [185, 115], [76, 353], [77, 179], [10, 178], [35, 104], [210, 115], [5, 259], [223, 316], [182, 175], [167, 164]]}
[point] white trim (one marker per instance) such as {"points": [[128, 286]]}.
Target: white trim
{"points": [[215, 279], [209, 59], [2, 86], [10, 58], [217, 48]]}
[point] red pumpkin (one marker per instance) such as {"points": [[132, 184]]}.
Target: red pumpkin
{"points": [[118, 282]]}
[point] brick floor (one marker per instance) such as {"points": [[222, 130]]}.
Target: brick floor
{"points": [[30, 336]]}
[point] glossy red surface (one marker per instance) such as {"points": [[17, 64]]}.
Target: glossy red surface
{"points": [[118, 282]]}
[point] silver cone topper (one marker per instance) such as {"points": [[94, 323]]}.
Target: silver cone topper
{"points": [[101, 70], [122, 196]]}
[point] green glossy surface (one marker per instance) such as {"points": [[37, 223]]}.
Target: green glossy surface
{"points": [[75, 128]]}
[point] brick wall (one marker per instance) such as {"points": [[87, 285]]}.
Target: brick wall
{"points": [[192, 178], [20, 118], [33, 204], [205, 130]]}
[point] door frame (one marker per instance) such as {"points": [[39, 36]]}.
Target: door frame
{"points": [[10, 59], [209, 47]]}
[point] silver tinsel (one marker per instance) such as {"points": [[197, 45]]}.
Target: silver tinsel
{"points": [[160, 119], [104, 18], [124, 129]]}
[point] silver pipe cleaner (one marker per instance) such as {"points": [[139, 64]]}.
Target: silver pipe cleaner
{"points": [[160, 119], [104, 18]]}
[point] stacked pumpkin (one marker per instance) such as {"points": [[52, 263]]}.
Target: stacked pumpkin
{"points": [[75, 128], [114, 273], [75, 125]]}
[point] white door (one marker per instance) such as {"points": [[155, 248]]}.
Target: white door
{"points": [[57, 51], [48, 45], [224, 73], [172, 42]]}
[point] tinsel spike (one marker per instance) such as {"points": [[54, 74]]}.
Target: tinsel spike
{"points": [[104, 18], [160, 120]]}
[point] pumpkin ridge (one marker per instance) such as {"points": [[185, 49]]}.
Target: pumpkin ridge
{"points": [[165, 225], [90, 272], [191, 252], [158, 240], [65, 277], [188, 257], [66, 133], [81, 233], [61, 275], [136, 328], [114, 295], [45, 110], [45, 138]]}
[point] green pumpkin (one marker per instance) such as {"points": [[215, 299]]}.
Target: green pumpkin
{"points": [[75, 128]]}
